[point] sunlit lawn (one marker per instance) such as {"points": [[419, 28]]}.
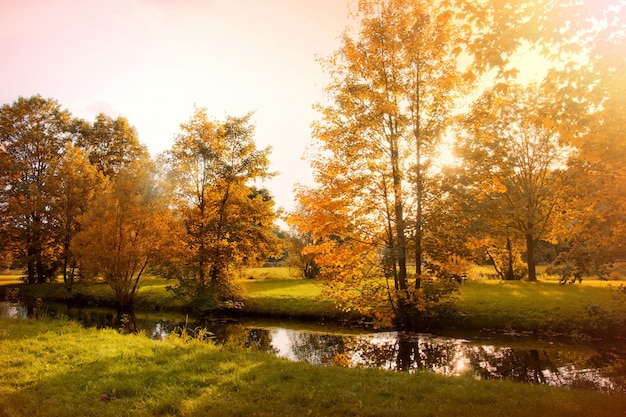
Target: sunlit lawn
{"points": [[58, 368], [492, 304], [543, 305], [271, 273], [296, 298], [9, 279]]}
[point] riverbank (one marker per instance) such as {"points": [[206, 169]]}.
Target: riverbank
{"points": [[58, 368], [593, 308]]}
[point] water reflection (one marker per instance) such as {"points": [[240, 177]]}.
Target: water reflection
{"points": [[522, 359], [562, 365], [13, 310]]}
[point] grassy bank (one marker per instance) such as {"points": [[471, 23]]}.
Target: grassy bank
{"points": [[594, 306], [56, 368], [267, 291]]}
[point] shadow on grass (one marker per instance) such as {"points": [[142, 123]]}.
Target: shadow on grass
{"points": [[73, 371]]}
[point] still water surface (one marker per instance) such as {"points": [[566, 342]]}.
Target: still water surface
{"points": [[590, 365]]}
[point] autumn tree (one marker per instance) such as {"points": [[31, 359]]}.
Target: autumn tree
{"points": [[512, 155], [583, 43], [33, 133], [591, 86], [124, 231], [111, 144], [391, 97], [296, 244], [76, 182], [212, 165]]}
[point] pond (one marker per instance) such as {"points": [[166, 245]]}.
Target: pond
{"points": [[592, 365]]}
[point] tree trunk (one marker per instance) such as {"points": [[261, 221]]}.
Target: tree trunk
{"points": [[419, 187], [41, 270], [530, 258], [30, 265], [400, 249], [418, 231], [510, 273]]}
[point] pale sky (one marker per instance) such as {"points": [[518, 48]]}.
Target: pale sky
{"points": [[151, 61]]}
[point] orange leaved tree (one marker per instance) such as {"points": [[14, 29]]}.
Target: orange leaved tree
{"points": [[391, 96], [227, 222], [124, 232]]}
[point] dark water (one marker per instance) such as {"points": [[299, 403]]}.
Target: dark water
{"points": [[589, 365]]}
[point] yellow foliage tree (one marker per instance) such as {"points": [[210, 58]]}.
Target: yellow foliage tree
{"points": [[124, 232], [392, 93], [228, 223], [76, 182], [512, 162]]}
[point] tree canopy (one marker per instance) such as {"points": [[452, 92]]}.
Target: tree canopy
{"points": [[85, 199], [124, 231], [33, 133], [388, 225], [227, 222], [414, 74]]}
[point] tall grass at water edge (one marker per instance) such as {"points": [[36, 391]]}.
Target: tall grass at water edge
{"points": [[57, 368]]}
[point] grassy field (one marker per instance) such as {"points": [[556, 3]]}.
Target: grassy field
{"points": [[591, 307], [295, 298], [57, 368], [10, 278]]}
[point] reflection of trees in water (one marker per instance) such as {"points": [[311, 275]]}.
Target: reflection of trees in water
{"points": [[99, 318], [517, 365], [567, 368], [260, 339], [449, 356], [391, 351], [316, 348], [604, 368], [372, 353], [239, 335], [403, 352], [616, 372]]}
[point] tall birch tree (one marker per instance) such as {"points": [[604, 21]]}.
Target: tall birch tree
{"points": [[391, 93]]}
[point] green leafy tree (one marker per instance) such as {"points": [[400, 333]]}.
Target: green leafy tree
{"points": [[227, 223]]}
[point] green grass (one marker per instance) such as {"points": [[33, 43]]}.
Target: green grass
{"points": [[271, 273], [270, 291], [591, 307], [295, 298], [281, 292], [57, 368]]}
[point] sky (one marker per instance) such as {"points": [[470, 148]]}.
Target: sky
{"points": [[152, 61]]}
